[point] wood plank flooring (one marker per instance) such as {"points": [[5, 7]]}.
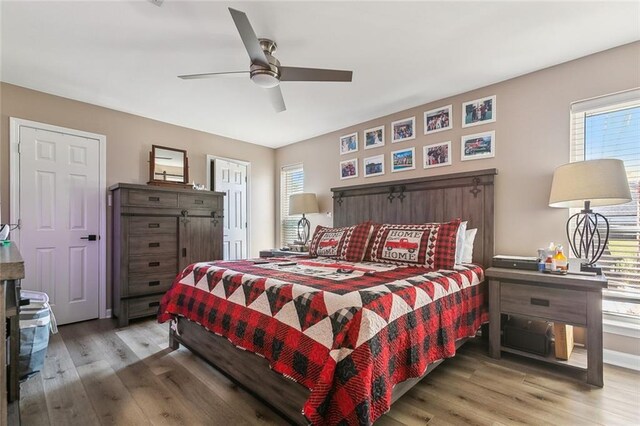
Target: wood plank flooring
{"points": [[96, 374]]}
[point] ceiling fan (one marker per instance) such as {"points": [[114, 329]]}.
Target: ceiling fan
{"points": [[265, 69]]}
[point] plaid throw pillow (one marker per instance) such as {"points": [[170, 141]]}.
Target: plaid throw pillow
{"points": [[432, 245], [348, 243]]}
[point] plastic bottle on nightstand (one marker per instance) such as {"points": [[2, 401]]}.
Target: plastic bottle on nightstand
{"points": [[560, 258]]}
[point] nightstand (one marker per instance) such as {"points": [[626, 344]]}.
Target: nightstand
{"points": [[567, 299], [282, 253]]}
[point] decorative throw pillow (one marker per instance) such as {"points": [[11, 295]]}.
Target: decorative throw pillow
{"points": [[432, 245], [348, 243]]}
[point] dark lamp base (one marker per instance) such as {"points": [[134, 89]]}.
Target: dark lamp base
{"points": [[591, 268]]}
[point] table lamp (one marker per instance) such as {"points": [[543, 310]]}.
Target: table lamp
{"points": [[587, 184], [303, 203]]}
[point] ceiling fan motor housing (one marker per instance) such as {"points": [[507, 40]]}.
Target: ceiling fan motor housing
{"points": [[266, 76]]}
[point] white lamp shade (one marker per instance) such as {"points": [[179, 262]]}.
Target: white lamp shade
{"points": [[302, 203], [602, 182]]}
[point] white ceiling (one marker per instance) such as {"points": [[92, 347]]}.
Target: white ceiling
{"points": [[126, 55]]}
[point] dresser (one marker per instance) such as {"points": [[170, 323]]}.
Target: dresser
{"points": [[158, 231]]}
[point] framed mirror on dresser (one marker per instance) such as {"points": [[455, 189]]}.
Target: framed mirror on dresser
{"points": [[168, 167]]}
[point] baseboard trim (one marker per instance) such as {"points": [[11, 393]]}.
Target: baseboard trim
{"points": [[621, 359], [107, 314]]}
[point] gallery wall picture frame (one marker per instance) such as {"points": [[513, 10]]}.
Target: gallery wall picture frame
{"points": [[403, 130], [479, 111], [349, 143], [403, 160], [349, 169], [374, 137], [478, 146], [436, 155], [373, 166], [438, 120]]}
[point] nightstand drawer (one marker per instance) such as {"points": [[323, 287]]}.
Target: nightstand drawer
{"points": [[553, 304]]}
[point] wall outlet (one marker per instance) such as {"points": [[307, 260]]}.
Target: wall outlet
{"points": [[329, 214]]}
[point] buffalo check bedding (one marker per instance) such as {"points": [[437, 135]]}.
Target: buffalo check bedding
{"points": [[347, 331]]}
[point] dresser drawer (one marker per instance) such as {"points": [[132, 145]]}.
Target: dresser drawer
{"points": [[152, 198], [197, 201], [143, 306], [154, 244], [153, 265], [553, 304], [145, 225], [145, 284]]}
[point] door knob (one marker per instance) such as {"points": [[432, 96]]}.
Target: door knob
{"points": [[90, 237]]}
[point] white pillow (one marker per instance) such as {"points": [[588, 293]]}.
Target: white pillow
{"points": [[467, 252], [460, 241]]}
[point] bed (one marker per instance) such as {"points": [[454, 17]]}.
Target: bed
{"points": [[340, 340]]}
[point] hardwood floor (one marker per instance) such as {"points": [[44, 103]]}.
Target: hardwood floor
{"points": [[97, 374]]}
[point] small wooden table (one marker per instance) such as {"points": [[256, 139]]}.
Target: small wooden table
{"points": [[567, 299], [11, 272]]}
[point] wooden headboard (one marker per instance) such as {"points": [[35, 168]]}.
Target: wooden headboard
{"points": [[467, 195]]}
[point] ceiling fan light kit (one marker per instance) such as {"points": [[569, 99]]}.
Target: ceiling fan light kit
{"points": [[265, 70]]}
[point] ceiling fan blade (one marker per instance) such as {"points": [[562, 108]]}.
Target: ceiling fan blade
{"points": [[249, 37], [314, 74], [214, 74], [275, 96]]}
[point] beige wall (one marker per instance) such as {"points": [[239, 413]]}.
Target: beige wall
{"points": [[532, 139], [129, 140]]}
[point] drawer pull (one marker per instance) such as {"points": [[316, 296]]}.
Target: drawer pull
{"points": [[184, 252], [539, 302], [154, 244], [154, 225], [199, 201], [154, 198], [153, 304], [154, 283], [151, 264]]}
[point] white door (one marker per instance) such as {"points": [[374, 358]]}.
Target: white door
{"points": [[59, 209], [231, 178]]}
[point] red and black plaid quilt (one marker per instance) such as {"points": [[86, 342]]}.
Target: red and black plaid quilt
{"points": [[347, 331]]}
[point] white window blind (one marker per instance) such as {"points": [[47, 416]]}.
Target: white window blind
{"points": [[609, 127], [291, 182]]}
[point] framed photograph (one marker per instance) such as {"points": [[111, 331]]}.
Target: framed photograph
{"points": [[437, 155], [438, 119], [374, 166], [480, 111], [403, 130], [478, 146], [349, 143], [403, 159], [349, 169], [374, 138]]}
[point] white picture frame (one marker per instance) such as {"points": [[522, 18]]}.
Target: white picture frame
{"points": [[474, 111], [439, 119], [403, 130], [374, 137], [348, 143], [373, 166], [436, 155], [478, 146], [406, 153], [349, 169]]}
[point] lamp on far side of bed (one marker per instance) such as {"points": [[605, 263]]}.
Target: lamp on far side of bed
{"points": [[303, 203], [587, 184]]}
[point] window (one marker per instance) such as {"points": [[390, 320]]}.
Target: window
{"points": [[291, 182], [609, 127]]}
